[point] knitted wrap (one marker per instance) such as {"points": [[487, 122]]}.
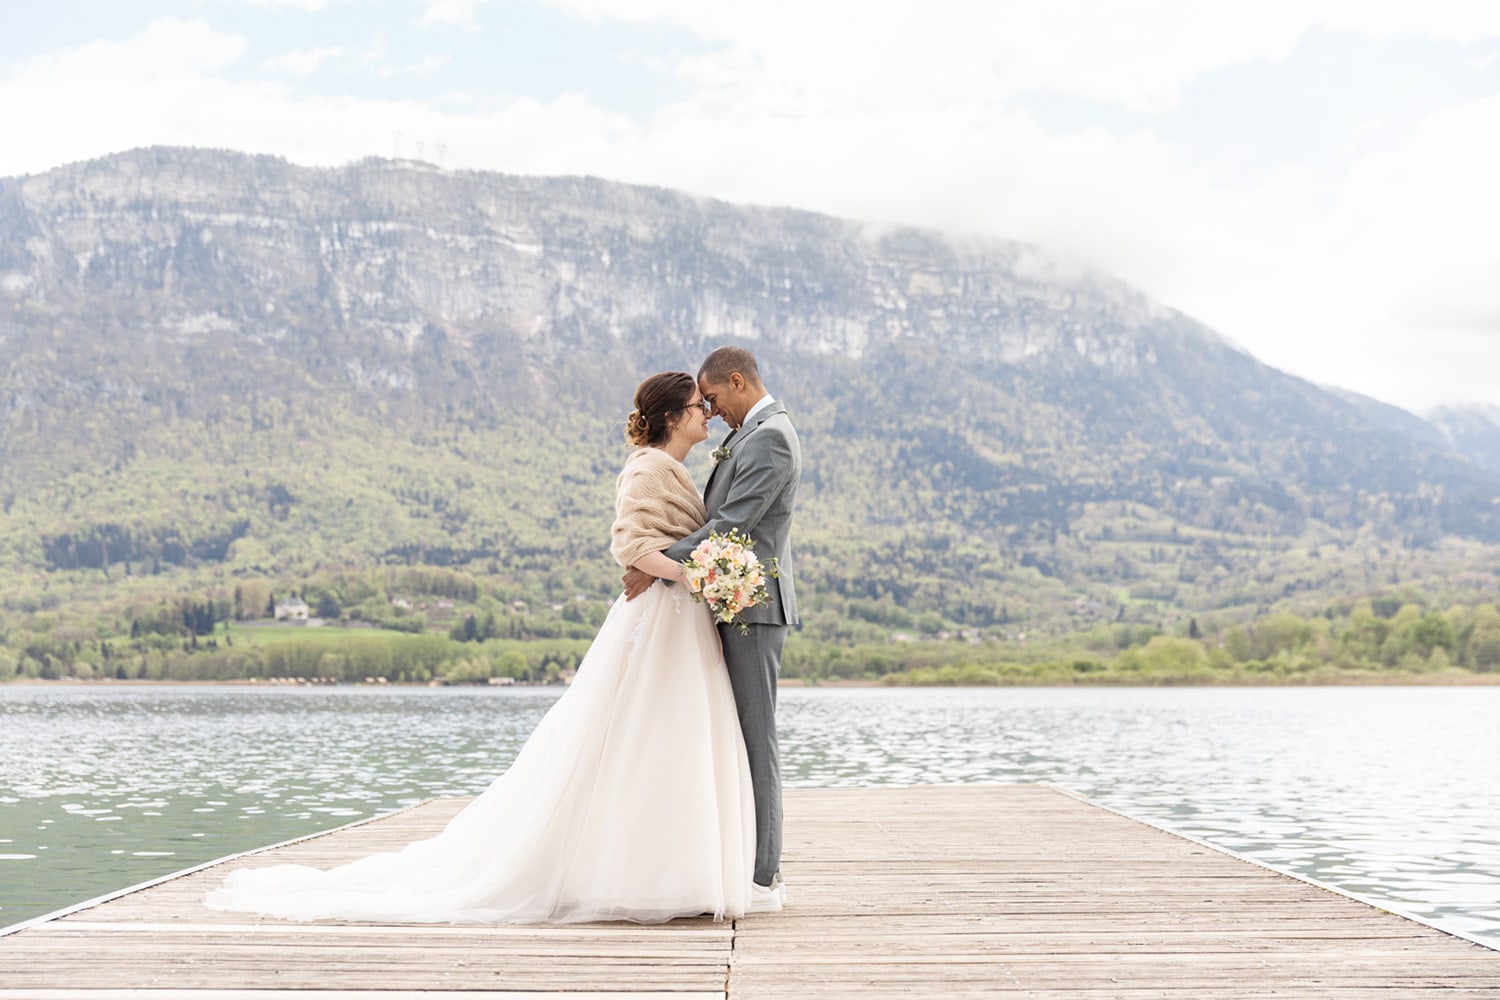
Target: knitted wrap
{"points": [[656, 504]]}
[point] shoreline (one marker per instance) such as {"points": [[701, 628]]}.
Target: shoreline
{"points": [[1363, 679]]}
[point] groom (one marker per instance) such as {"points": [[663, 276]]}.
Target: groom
{"points": [[753, 487]]}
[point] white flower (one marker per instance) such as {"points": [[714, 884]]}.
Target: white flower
{"points": [[724, 573]]}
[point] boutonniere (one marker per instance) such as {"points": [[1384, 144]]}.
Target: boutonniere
{"points": [[720, 453]]}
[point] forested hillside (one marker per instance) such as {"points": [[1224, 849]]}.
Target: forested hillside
{"points": [[220, 371]]}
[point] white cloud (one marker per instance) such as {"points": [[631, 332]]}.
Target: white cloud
{"points": [[1137, 55], [165, 47], [1429, 210], [376, 59], [423, 69], [376, 52], [312, 6], [168, 85], [302, 62], [1134, 55], [450, 14], [156, 87]]}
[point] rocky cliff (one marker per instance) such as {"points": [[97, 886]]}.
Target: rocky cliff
{"points": [[171, 310]]}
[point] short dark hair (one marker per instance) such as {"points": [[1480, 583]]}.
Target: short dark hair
{"points": [[657, 398], [725, 361]]}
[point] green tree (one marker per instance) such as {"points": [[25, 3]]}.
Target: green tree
{"points": [[328, 606], [1366, 634], [1484, 641], [1432, 631], [251, 598], [1168, 654], [511, 663]]}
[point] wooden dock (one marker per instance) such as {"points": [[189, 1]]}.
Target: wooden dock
{"points": [[1017, 890]]}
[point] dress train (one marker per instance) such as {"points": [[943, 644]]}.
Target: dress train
{"points": [[630, 801]]}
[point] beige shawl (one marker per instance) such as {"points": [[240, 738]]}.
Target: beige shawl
{"points": [[656, 504]]}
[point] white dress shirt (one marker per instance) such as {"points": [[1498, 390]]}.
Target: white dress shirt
{"points": [[760, 404]]}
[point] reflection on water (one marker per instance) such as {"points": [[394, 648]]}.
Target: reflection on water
{"points": [[1390, 793], [104, 787]]}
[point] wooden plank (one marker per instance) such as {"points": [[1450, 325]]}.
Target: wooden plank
{"points": [[114, 994], [972, 891], [163, 937], [980, 892]]}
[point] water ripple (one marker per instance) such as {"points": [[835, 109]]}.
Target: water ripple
{"points": [[1383, 792]]}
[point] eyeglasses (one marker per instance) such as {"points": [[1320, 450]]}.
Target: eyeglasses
{"points": [[701, 404]]}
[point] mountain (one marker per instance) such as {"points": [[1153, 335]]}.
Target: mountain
{"points": [[1473, 430], [220, 366]]}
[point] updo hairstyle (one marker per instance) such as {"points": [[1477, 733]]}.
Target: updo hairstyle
{"points": [[661, 396]]}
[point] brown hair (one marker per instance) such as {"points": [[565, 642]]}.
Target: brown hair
{"points": [[656, 399], [725, 361]]}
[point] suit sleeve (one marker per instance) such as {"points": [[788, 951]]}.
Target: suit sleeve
{"points": [[763, 470]]}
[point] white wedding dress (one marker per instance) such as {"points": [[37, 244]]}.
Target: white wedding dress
{"points": [[630, 801]]}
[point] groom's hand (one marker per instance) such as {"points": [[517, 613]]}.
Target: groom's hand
{"points": [[636, 583]]}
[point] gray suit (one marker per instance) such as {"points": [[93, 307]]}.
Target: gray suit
{"points": [[754, 490]]}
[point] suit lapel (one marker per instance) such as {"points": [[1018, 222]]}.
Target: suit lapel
{"points": [[708, 486], [770, 410]]}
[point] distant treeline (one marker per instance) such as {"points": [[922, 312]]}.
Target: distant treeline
{"points": [[194, 639], [105, 545]]}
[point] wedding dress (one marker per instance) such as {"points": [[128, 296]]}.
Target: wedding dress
{"points": [[630, 801]]}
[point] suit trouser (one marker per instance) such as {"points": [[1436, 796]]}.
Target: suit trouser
{"points": [[754, 663]]}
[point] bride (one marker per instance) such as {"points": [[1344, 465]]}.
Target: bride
{"points": [[631, 800]]}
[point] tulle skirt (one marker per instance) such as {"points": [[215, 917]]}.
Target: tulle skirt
{"points": [[630, 801]]}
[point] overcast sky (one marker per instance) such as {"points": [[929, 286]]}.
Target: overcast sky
{"points": [[1315, 180]]}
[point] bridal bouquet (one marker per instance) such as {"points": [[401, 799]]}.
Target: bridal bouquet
{"points": [[724, 573]]}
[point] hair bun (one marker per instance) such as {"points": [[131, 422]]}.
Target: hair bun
{"points": [[637, 428], [656, 400]]}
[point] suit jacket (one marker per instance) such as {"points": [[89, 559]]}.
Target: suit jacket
{"points": [[755, 490]]}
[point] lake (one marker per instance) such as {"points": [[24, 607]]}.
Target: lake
{"points": [[1392, 794]]}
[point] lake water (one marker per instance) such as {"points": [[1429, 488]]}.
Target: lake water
{"points": [[1392, 794]]}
